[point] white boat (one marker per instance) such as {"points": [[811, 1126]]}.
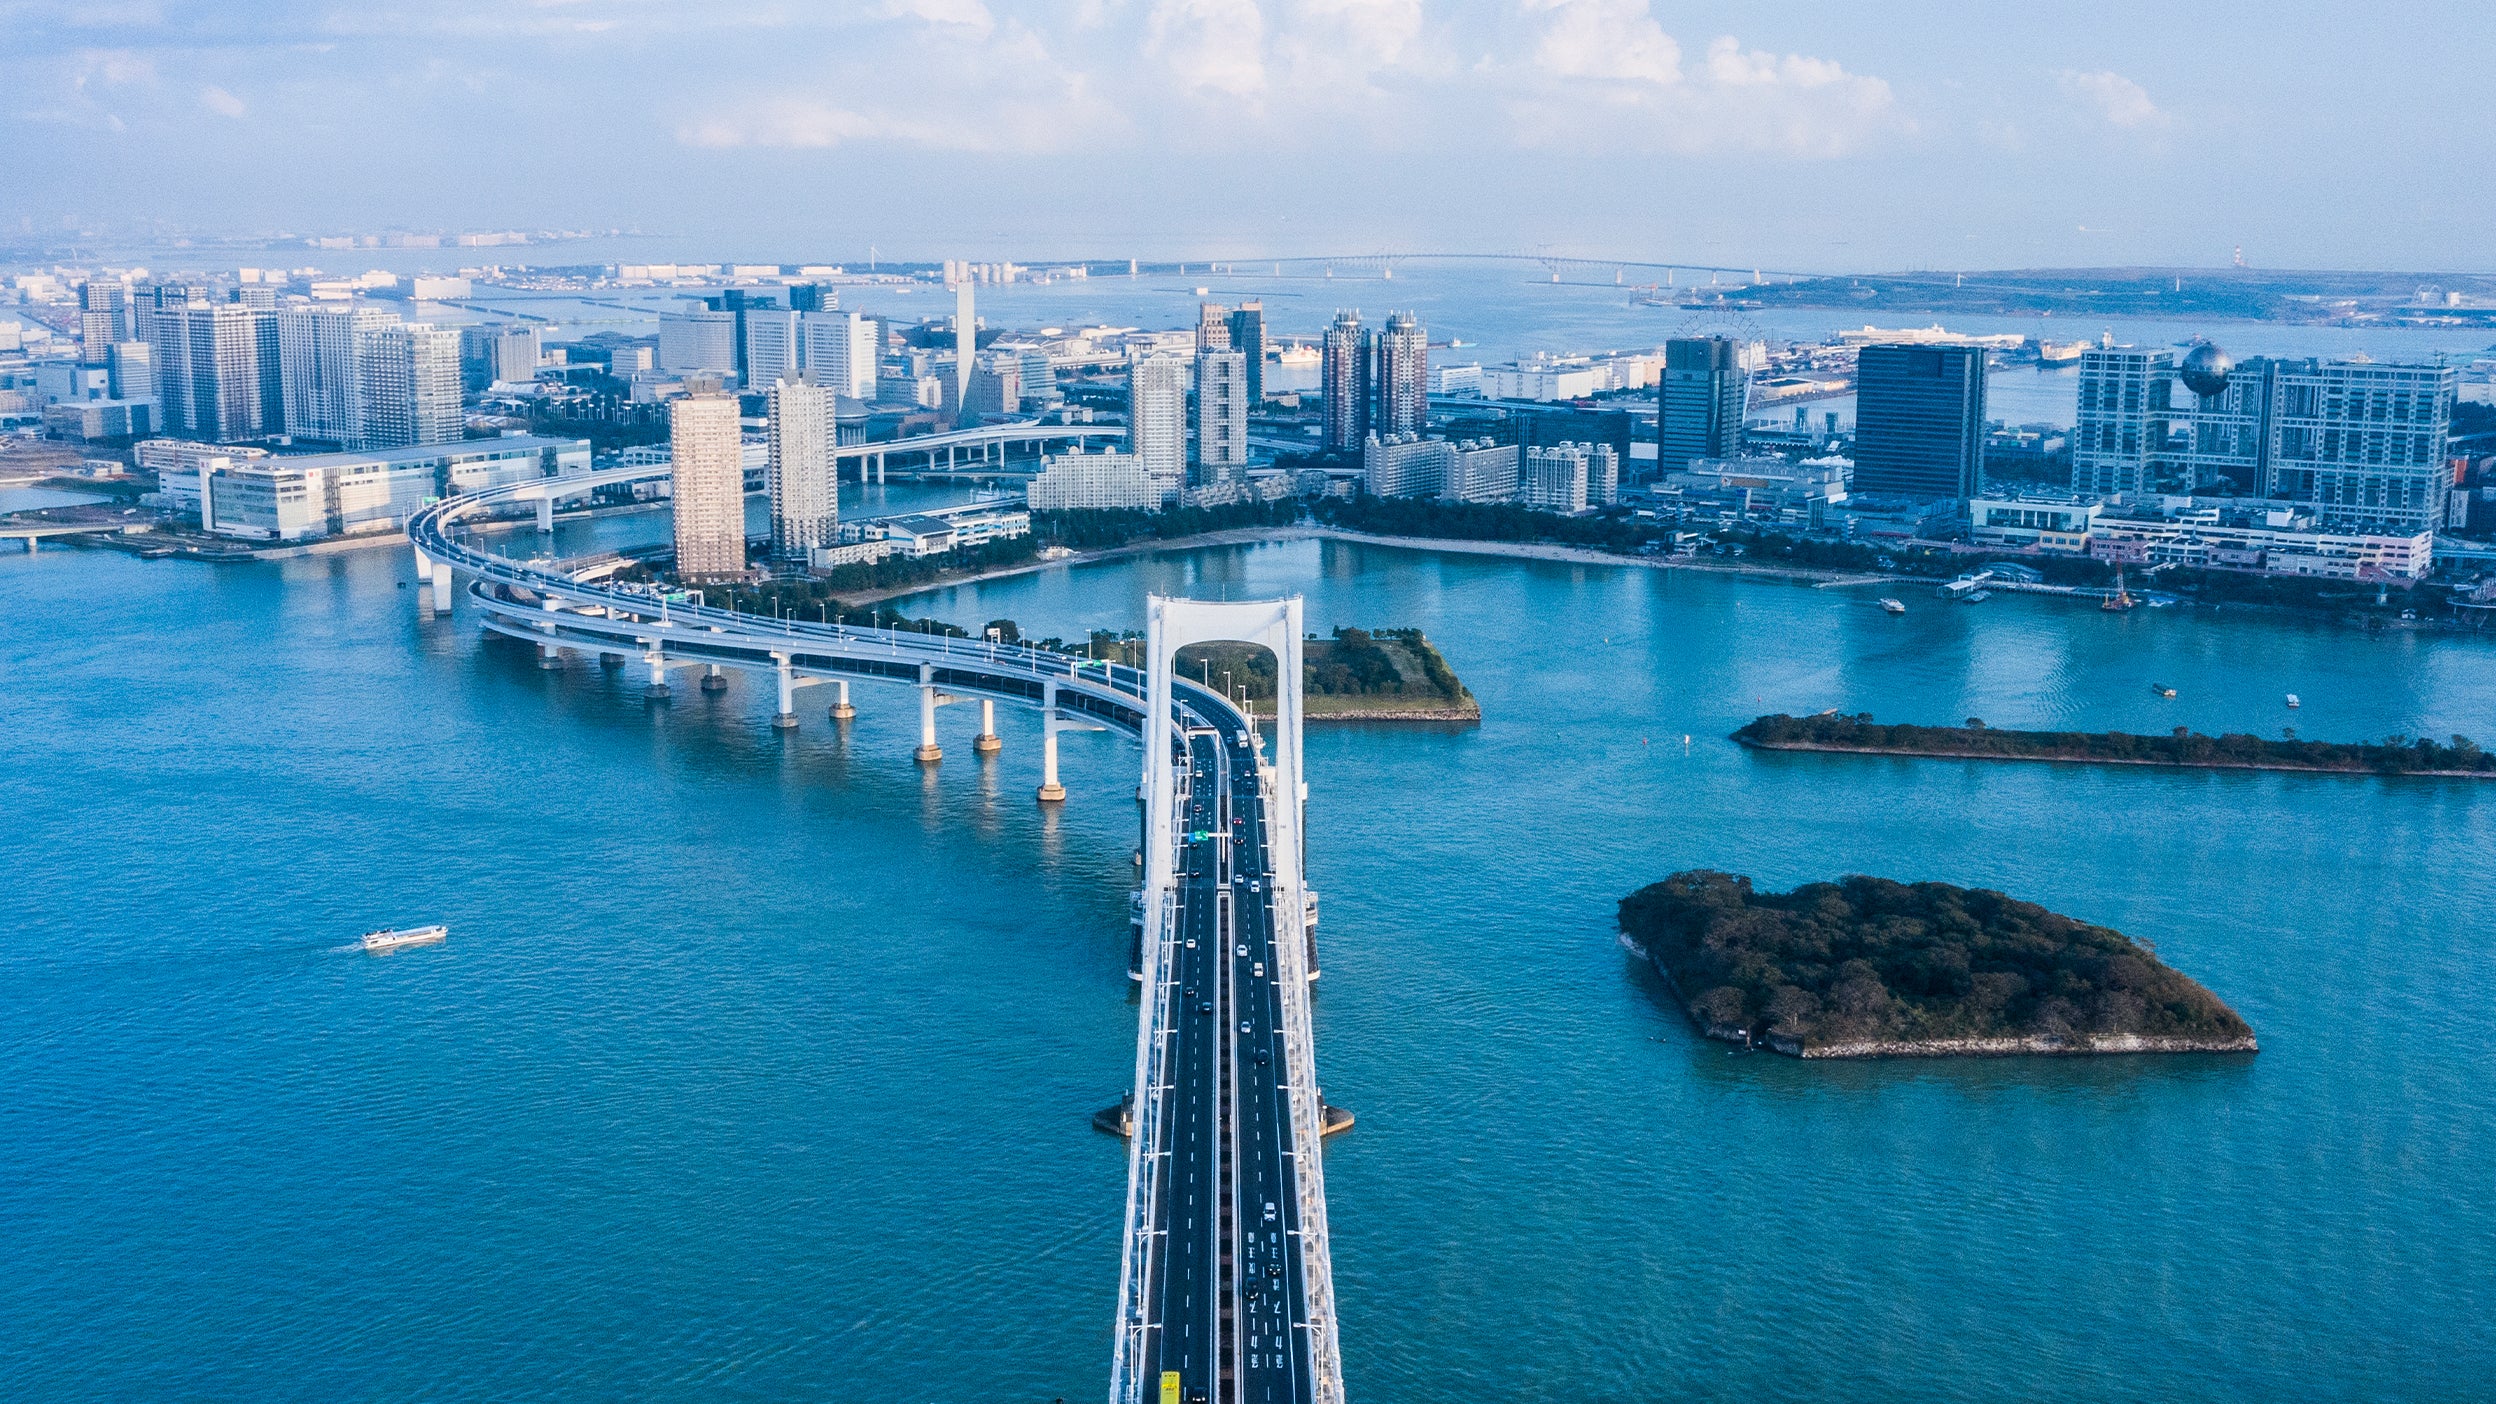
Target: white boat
{"points": [[391, 939], [2293, 702], [1893, 606]]}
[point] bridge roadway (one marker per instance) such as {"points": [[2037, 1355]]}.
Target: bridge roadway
{"points": [[1225, 1280], [1225, 1292]]}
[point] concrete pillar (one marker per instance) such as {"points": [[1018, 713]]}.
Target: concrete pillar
{"points": [[987, 743], [713, 680], [786, 718], [610, 660], [841, 710], [656, 688], [1051, 792], [424, 579], [546, 515], [441, 587], [928, 751], [549, 656]]}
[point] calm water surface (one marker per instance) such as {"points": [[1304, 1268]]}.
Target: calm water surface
{"points": [[759, 1066]]}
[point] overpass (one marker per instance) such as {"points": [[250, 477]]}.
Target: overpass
{"points": [[983, 449], [1226, 1287]]}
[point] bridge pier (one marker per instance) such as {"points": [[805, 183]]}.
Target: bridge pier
{"points": [[786, 718], [841, 710], [549, 656], [610, 661], [656, 688], [713, 680], [546, 516], [441, 587], [1051, 792], [929, 752], [987, 743]]}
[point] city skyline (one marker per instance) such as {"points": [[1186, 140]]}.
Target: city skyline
{"points": [[1816, 137]]}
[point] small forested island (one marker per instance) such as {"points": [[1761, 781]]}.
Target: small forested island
{"points": [[1868, 968], [1355, 675], [2396, 755]]}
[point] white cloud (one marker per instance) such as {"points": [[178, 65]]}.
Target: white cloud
{"points": [[2117, 99], [221, 102], [1209, 45], [1604, 73], [1612, 39], [970, 15]]}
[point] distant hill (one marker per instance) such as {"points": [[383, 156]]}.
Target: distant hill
{"points": [[2248, 294]]}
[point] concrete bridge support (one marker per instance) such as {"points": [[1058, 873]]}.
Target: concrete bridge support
{"points": [[786, 718], [841, 710], [656, 688], [929, 752], [546, 515], [987, 743], [713, 680], [441, 587], [1051, 792], [549, 657]]}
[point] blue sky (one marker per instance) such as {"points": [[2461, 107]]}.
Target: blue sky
{"points": [[1803, 135]]}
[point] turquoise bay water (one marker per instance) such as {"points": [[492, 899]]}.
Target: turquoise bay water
{"points": [[759, 1066]]}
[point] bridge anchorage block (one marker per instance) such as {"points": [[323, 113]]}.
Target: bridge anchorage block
{"points": [[987, 745], [842, 711], [1052, 794], [656, 692], [611, 661], [714, 680], [549, 657], [928, 754], [784, 721]]}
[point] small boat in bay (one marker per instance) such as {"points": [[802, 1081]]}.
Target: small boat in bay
{"points": [[1893, 606], [391, 939], [2293, 702], [2162, 689]]}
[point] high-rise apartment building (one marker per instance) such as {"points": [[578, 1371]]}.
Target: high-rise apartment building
{"points": [[772, 350], [2120, 433], [841, 349], [1248, 339], [321, 384], [1080, 481], [105, 320], [1221, 417], [216, 368], [1406, 465], [1555, 477], [1343, 383], [131, 371], [1483, 471], [409, 386], [1400, 365], [515, 355], [698, 341], [1920, 421], [1701, 397], [1157, 420], [1213, 328], [707, 481], [805, 508]]}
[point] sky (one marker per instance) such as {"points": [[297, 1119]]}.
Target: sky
{"points": [[1809, 135]]}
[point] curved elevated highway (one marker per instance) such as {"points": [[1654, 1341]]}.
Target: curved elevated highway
{"points": [[1226, 1282]]}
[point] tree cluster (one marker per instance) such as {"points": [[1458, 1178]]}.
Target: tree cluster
{"points": [[2394, 755], [1865, 958]]}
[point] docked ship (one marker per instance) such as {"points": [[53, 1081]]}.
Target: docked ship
{"points": [[391, 939]]}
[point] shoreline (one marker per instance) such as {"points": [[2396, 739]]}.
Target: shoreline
{"points": [[1831, 748], [1307, 531]]}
